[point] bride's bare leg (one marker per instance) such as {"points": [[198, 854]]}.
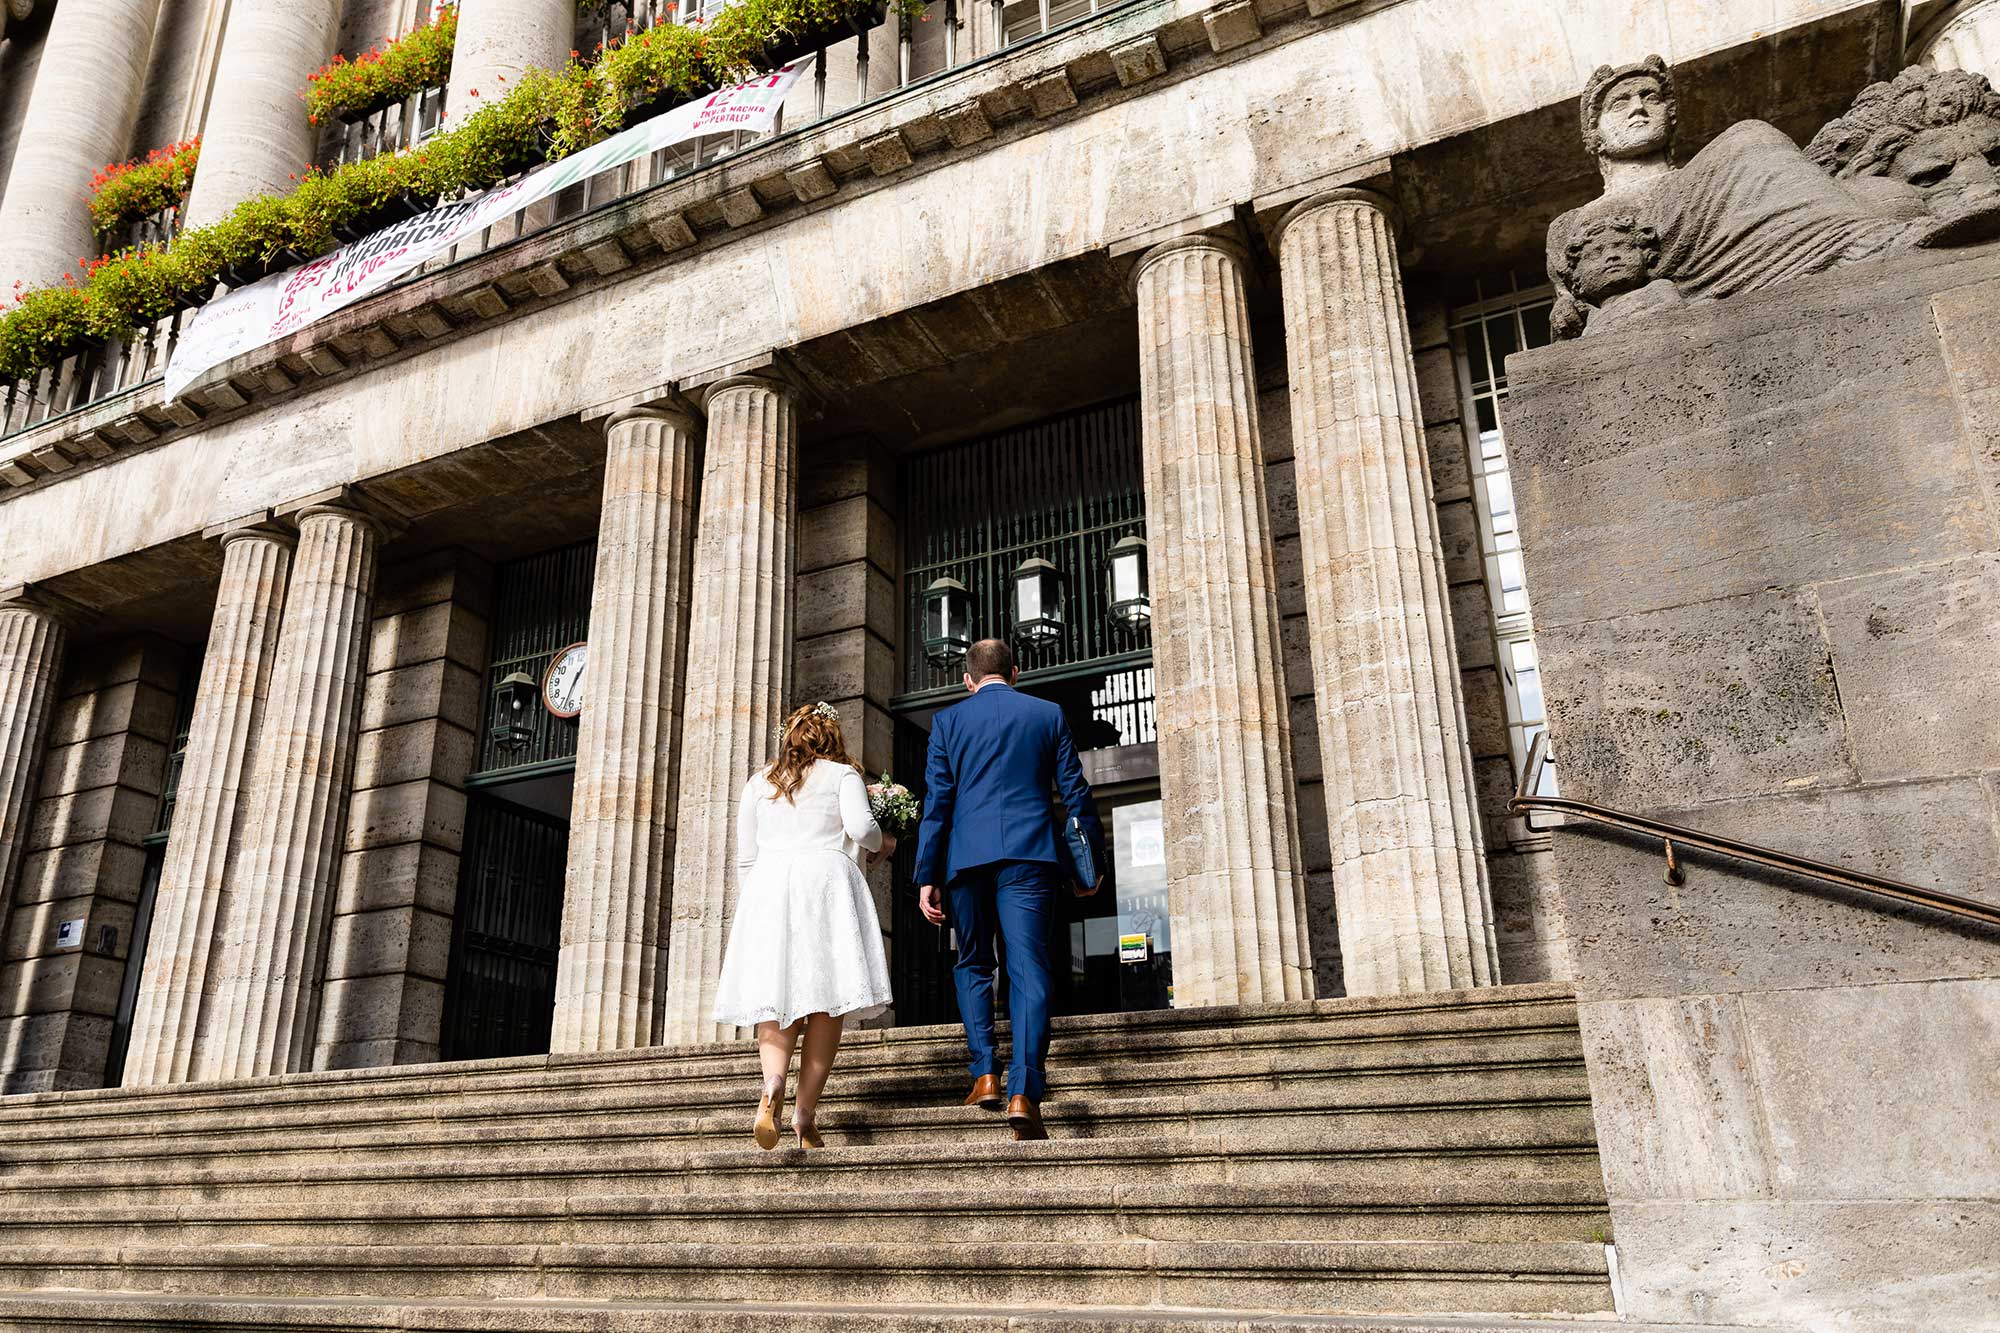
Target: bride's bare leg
{"points": [[774, 1053], [822, 1044]]}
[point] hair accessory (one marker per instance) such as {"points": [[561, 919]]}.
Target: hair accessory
{"points": [[825, 709]]}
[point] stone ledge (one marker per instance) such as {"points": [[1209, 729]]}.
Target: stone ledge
{"points": [[989, 102]]}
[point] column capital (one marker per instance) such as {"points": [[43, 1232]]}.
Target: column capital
{"points": [[348, 502], [771, 370], [1350, 194], [1201, 240], [673, 413], [258, 523], [38, 599]]}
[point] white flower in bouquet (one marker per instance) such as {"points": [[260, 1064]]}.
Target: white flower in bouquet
{"points": [[894, 808]]}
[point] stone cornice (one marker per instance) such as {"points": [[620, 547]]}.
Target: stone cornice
{"points": [[954, 114]]}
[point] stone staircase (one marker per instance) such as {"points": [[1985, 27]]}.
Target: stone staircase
{"points": [[1415, 1156]]}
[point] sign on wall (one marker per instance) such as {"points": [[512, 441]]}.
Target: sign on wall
{"points": [[282, 304]]}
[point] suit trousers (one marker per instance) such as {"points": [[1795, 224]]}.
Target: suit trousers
{"points": [[1016, 900]]}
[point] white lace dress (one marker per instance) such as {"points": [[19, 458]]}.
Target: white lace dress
{"points": [[805, 939]]}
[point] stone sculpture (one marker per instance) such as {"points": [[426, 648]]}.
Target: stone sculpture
{"points": [[1924, 145], [1910, 164]]}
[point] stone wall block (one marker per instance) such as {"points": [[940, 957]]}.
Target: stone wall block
{"points": [[742, 634], [437, 689], [1902, 645], [274, 939], [137, 761], [31, 647], [622, 813], [410, 874], [71, 872], [1237, 896], [192, 897], [411, 751], [444, 629], [1408, 863]]}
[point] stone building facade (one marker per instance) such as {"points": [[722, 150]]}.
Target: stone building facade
{"points": [[283, 785]]}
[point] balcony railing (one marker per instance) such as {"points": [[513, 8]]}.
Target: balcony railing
{"points": [[846, 74]]}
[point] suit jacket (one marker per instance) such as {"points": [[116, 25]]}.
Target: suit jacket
{"points": [[993, 759]]}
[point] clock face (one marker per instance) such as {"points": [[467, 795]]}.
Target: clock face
{"points": [[562, 688]]}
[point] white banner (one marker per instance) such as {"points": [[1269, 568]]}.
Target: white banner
{"points": [[282, 304]]}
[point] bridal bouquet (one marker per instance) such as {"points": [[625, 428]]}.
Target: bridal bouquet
{"points": [[894, 808]]}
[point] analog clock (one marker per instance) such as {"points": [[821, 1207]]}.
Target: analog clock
{"points": [[562, 687]]}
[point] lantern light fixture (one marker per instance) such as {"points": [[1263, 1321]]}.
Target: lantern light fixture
{"points": [[513, 697], [947, 621], [1038, 601], [1130, 600]]}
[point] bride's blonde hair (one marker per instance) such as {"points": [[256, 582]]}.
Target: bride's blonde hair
{"points": [[810, 734]]}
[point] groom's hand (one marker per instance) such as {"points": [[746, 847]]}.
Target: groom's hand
{"points": [[930, 904]]}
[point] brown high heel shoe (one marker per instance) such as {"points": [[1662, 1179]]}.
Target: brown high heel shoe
{"points": [[765, 1131], [808, 1135]]}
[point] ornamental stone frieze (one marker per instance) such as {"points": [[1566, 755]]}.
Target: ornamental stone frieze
{"points": [[1911, 165]]}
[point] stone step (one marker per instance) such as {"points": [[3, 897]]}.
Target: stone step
{"points": [[1494, 1101], [1456, 1027], [1558, 1150], [65, 1313], [1527, 1063], [1439, 1208], [1305, 1276]]}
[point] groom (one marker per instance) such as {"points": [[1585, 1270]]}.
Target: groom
{"points": [[991, 836]]}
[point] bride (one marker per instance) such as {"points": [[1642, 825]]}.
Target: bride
{"points": [[805, 949]]}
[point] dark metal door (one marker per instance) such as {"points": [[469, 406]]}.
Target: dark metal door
{"points": [[501, 987]]}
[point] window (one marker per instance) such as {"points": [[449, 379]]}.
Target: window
{"points": [[1492, 319]]}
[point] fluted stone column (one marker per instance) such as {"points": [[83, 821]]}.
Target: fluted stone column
{"points": [[621, 832], [1236, 886], [498, 40], [31, 653], [194, 892], [256, 136], [1967, 37], [274, 937], [80, 116], [1409, 875], [740, 632]]}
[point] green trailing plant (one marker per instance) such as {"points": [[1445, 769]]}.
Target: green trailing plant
{"points": [[549, 114], [383, 75], [127, 191]]}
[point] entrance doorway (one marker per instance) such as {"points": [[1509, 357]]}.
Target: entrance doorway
{"points": [[1050, 502], [499, 997]]}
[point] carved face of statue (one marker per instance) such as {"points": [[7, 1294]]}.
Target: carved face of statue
{"points": [[1954, 165], [1610, 262], [1635, 119]]}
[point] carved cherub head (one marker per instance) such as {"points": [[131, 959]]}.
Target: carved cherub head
{"points": [[1609, 256], [1628, 111], [1934, 133]]}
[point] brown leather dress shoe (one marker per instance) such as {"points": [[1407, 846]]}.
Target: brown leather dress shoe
{"points": [[985, 1093], [1024, 1116]]}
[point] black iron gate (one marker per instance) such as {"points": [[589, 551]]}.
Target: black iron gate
{"points": [[501, 992]]}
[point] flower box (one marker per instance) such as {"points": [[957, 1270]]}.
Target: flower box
{"points": [[857, 22], [387, 214]]}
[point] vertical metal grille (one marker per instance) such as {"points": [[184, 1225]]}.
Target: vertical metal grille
{"points": [[1064, 490], [500, 994], [541, 605]]}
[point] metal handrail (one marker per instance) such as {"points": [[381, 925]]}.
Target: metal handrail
{"points": [[1525, 802]]}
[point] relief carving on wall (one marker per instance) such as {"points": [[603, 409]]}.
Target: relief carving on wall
{"points": [[1912, 163]]}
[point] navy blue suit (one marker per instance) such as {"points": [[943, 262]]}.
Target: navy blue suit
{"points": [[991, 835]]}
